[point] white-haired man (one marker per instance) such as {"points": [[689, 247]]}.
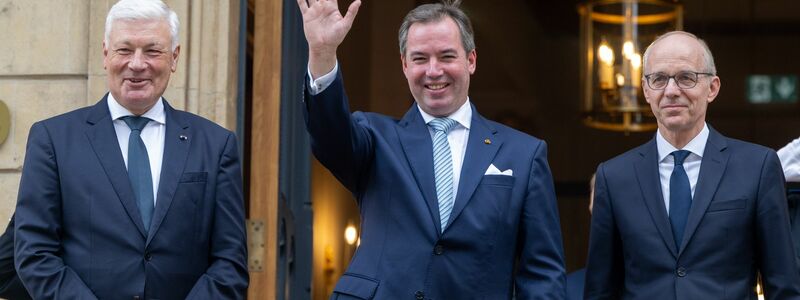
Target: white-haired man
{"points": [[130, 198]]}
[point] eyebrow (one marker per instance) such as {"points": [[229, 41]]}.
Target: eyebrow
{"points": [[446, 51], [146, 46], [449, 51]]}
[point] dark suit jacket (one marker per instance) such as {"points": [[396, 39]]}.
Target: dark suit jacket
{"points": [[79, 234], [738, 224], [575, 281], [388, 165], [10, 285], [794, 215]]}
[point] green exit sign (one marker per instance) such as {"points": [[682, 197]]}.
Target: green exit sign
{"points": [[772, 89]]}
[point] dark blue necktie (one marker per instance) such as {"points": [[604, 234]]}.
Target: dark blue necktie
{"points": [[680, 196], [139, 169]]}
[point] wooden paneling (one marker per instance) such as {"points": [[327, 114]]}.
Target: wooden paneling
{"points": [[265, 136]]}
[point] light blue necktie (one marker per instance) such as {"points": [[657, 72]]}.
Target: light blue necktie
{"points": [[443, 167], [680, 197], [139, 169]]}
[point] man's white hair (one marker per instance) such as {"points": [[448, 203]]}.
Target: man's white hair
{"points": [[143, 10]]}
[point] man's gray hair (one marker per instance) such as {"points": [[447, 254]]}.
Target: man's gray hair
{"points": [[709, 59], [435, 12], [143, 10]]}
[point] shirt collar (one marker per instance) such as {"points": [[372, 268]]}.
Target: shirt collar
{"points": [[696, 146], [156, 113], [463, 115]]}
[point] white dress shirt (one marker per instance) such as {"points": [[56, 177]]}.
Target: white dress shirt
{"points": [[457, 137], [666, 162], [153, 135], [320, 84], [790, 160]]}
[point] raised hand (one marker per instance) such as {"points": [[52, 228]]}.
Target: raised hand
{"points": [[325, 29]]}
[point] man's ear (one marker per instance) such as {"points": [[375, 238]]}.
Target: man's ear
{"points": [[472, 61], [403, 62], [713, 87], [105, 55], [175, 54]]}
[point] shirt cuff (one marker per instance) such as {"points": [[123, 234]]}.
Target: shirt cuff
{"points": [[790, 160], [318, 85]]}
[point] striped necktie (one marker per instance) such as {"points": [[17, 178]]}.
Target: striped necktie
{"points": [[443, 167]]}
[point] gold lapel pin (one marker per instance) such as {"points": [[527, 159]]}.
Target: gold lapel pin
{"points": [[487, 141]]}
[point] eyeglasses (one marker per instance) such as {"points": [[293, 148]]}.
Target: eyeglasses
{"points": [[684, 79]]}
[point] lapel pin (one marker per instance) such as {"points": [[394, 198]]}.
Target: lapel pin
{"points": [[183, 137], [487, 141]]}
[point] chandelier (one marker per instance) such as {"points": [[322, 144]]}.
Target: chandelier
{"points": [[613, 36]]}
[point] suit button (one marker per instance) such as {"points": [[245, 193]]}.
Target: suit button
{"points": [[419, 295], [148, 256], [438, 250], [681, 272]]}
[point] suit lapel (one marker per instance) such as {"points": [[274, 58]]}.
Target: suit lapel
{"points": [[103, 138], [477, 159], [649, 180], [176, 149], [418, 147], [712, 167]]}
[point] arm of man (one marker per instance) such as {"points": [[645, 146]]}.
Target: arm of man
{"points": [[604, 266], [773, 237], [541, 265], [339, 140], [790, 160], [226, 277], [10, 285], [38, 225]]}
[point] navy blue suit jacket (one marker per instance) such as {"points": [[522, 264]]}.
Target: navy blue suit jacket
{"points": [[10, 285], [794, 215], [79, 234], [575, 281], [388, 165], [738, 224]]}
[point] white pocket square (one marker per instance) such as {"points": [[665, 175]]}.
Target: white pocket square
{"points": [[492, 170]]}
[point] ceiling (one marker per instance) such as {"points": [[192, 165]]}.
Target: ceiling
{"points": [[704, 17]]}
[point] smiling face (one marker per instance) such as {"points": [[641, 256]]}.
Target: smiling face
{"points": [[680, 111], [139, 60], [437, 67]]}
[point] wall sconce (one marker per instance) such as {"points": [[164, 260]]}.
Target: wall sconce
{"points": [[5, 122], [351, 234], [352, 240], [759, 289], [613, 36]]}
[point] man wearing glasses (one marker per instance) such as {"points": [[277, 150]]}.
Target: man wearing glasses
{"points": [[691, 214]]}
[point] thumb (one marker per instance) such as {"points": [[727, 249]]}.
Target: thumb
{"points": [[352, 10]]}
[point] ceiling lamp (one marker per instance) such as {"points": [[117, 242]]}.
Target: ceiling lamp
{"points": [[614, 34]]}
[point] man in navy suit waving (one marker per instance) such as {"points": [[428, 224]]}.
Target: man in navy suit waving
{"points": [[453, 206], [691, 214]]}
